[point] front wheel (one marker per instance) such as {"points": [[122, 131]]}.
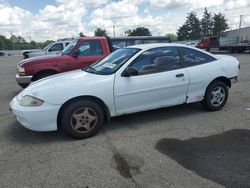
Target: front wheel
{"points": [[43, 75], [23, 85], [216, 96], [82, 119]]}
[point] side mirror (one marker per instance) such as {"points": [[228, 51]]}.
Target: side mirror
{"points": [[75, 53], [129, 71]]}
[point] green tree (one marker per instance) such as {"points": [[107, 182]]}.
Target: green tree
{"points": [[46, 43], [20, 40], [140, 31], [2, 42], [101, 32], [13, 38], [82, 35], [33, 44], [190, 30], [17, 39], [220, 24], [193, 25], [206, 24], [171, 36], [128, 32], [183, 32]]}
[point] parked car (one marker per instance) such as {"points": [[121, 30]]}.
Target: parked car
{"points": [[80, 53], [54, 48], [193, 44], [129, 80], [2, 54]]}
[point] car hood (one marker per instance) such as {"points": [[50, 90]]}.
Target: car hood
{"points": [[40, 59], [59, 88], [37, 53]]}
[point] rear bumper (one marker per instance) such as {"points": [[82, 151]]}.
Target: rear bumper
{"points": [[234, 80], [23, 79]]}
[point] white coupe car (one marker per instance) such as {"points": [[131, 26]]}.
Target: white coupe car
{"points": [[131, 79]]}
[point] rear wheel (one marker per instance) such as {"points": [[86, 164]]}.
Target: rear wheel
{"points": [[216, 96], [82, 119]]}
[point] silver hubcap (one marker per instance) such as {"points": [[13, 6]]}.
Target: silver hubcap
{"points": [[218, 96], [83, 120]]}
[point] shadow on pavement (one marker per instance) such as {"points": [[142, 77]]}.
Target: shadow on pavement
{"points": [[222, 158], [22, 135]]}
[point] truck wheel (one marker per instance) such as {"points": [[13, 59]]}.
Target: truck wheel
{"points": [[216, 96], [43, 75], [82, 119], [23, 85]]}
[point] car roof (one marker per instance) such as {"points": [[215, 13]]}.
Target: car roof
{"points": [[157, 45], [92, 38]]}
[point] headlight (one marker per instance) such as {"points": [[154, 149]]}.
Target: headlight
{"points": [[20, 69], [29, 101]]}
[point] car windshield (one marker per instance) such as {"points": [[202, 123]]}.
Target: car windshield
{"points": [[48, 46], [112, 62], [71, 45]]}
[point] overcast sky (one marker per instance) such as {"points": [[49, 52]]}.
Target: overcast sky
{"points": [[53, 19]]}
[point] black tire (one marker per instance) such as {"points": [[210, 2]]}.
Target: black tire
{"points": [[43, 75], [23, 85], [207, 102], [69, 122]]}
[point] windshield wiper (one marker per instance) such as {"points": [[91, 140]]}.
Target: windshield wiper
{"points": [[93, 71], [90, 70]]}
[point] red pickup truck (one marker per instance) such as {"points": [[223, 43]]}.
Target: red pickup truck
{"points": [[78, 54]]}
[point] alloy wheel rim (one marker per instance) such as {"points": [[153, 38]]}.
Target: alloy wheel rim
{"points": [[83, 120], [217, 96]]}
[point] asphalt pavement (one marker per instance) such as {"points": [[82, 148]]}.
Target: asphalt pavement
{"points": [[182, 146]]}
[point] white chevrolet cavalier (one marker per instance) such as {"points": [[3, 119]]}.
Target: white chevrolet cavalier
{"points": [[129, 80]]}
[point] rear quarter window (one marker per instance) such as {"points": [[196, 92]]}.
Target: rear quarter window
{"points": [[193, 57]]}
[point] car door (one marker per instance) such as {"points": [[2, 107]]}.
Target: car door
{"points": [[201, 68], [88, 52], [161, 81]]}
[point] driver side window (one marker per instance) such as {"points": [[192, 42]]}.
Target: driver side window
{"points": [[90, 48], [56, 47], [157, 60]]}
